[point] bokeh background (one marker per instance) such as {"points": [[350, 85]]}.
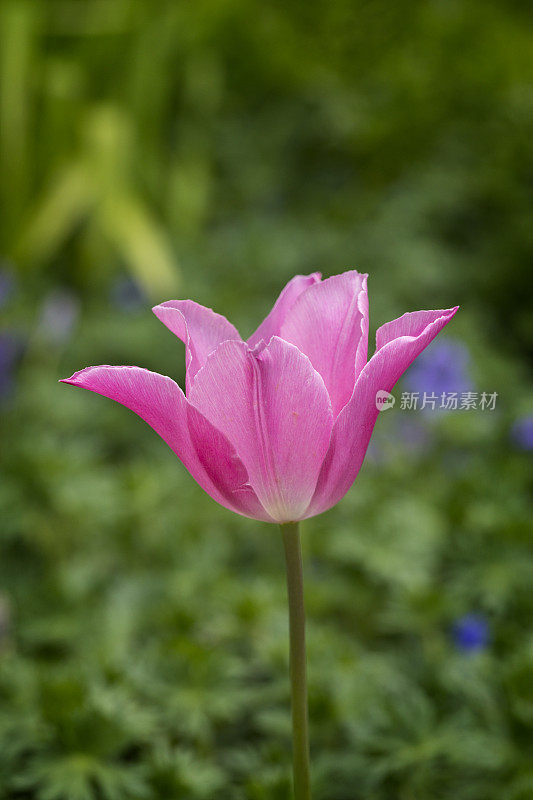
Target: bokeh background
{"points": [[152, 150]]}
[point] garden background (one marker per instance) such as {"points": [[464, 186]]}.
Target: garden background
{"points": [[157, 150]]}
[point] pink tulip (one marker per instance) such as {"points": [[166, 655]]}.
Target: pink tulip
{"points": [[276, 427]]}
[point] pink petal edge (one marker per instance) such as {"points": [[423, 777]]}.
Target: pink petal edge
{"points": [[290, 293], [329, 323], [200, 328], [204, 451], [354, 425]]}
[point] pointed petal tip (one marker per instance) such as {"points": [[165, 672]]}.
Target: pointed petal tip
{"points": [[167, 303], [163, 308], [73, 380], [449, 313], [438, 315], [82, 376], [160, 308]]}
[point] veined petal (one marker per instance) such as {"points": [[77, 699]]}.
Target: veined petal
{"points": [[274, 408], [200, 328], [271, 325], [329, 323], [412, 323], [204, 451], [399, 343]]}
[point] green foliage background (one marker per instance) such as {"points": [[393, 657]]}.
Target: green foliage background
{"points": [[212, 150]]}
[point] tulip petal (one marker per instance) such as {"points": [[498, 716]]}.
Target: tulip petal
{"points": [[203, 450], [200, 328], [399, 343], [413, 323], [271, 325], [274, 408], [329, 323]]}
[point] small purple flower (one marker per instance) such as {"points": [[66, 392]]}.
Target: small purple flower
{"points": [[471, 633], [10, 352], [127, 295], [413, 437], [522, 432], [442, 369], [406, 437], [7, 284], [59, 314]]}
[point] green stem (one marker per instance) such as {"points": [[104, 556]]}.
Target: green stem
{"points": [[295, 590]]}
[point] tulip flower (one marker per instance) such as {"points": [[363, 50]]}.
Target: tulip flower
{"points": [[276, 427]]}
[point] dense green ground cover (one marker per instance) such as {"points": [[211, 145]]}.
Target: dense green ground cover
{"points": [[212, 150]]}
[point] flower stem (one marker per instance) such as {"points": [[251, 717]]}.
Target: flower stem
{"points": [[295, 590]]}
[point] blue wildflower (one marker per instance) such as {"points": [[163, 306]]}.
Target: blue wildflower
{"points": [[10, 352], [522, 432], [7, 284], [441, 369], [127, 295], [59, 314], [471, 633], [414, 438]]}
